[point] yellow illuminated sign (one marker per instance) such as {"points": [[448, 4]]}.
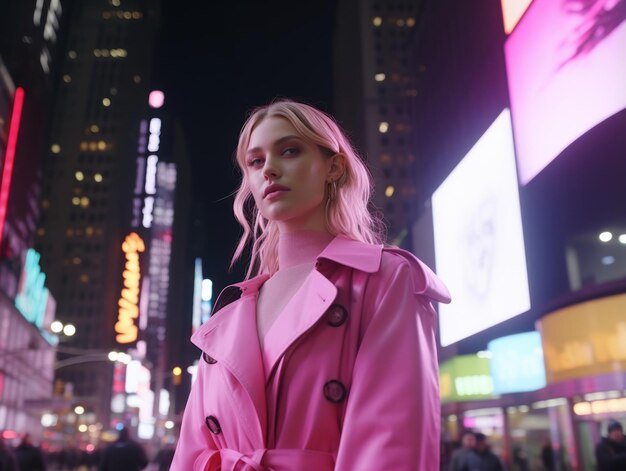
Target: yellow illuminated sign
{"points": [[586, 339], [604, 406], [128, 304]]}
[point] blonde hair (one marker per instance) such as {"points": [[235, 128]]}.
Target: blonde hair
{"points": [[347, 212]]}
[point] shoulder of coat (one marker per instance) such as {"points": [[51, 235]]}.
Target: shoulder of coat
{"points": [[424, 281]]}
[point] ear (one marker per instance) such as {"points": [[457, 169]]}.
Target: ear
{"points": [[337, 170]]}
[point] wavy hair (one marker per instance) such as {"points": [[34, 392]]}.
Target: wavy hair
{"points": [[347, 212]]}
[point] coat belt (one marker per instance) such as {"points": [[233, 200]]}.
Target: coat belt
{"points": [[277, 459]]}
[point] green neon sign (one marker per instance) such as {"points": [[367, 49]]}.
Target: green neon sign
{"points": [[32, 298]]}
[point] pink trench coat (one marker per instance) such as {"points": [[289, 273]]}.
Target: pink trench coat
{"points": [[348, 379]]}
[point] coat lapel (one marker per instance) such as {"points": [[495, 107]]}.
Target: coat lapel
{"points": [[230, 337], [304, 309]]}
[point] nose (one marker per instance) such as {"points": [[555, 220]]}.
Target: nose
{"points": [[270, 169]]}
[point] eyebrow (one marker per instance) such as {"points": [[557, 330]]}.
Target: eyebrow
{"points": [[276, 143]]}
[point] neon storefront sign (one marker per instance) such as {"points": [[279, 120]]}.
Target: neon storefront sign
{"points": [[126, 327]]}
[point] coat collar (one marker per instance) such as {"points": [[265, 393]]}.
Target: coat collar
{"points": [[354, 254]]}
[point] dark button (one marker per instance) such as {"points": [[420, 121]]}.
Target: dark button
{"points": [[336, 315], [213, 425], [210, 360], [334, 391]]}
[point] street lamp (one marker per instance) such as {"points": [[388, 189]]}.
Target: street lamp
{"points": [[68, 329]]}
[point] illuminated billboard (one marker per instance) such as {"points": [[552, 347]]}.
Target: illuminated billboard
{"points": [[512, 11], [479, 246], [566, 72], [525, 352]]}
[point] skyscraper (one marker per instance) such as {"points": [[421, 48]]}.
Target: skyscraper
{"points": [[373, 98], [89, 176]]}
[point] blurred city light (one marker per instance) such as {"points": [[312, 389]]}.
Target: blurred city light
{"points": [[169, 425], [156, 99], [79, 410], [605, 236], [69, 330], [207, 290], [56, 327]]}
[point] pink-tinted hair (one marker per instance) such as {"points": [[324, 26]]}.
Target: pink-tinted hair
{"points": [[346, 215]]}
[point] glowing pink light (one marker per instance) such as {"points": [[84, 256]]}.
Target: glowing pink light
{"points": [[7, 171], [156, 99]]}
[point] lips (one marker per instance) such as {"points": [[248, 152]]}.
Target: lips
{"points": [[273, 188]]}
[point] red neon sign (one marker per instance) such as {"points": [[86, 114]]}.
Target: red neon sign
{"points": [[7, 171]]}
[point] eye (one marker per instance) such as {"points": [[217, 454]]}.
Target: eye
{"points": [[255, 162], [290, 151]]}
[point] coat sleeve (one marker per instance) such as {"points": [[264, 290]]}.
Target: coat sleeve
{"points": [[392, 413], [195, 446]]}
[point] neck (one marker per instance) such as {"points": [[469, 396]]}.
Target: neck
{"points": [[299, 247]]}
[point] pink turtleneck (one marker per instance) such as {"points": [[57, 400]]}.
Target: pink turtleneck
{"points": [[297, 252]]}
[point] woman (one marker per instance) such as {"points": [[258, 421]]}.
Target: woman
{"points": [[326, 358]]}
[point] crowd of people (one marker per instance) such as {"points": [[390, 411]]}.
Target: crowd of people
{"points": [[474, 454], [124, 454]]}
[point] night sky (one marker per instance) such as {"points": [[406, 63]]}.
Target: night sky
{"points": [[215, 63]]}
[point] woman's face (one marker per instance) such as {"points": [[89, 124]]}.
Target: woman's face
{"points": [[287, 176]]}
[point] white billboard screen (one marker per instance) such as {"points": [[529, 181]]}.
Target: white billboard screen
{"points": [[479, 246]]}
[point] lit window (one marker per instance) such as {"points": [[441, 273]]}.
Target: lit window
{"points": [[383, 127], [410, 22], [137, 15], [97, 177], [389, 191], [93, 146], [84, 145], [45, 204], [102, 145], [80, 176], [97, 53], [76, 261], [400, 22], [72, 55], [69, 232], [106, 102], [127, 15], [84, 202], [94, 128], [137, 78], [104, 52], [106, 15], [377, 21], [67, 78], [379, 77], [385, 158], [115, 3], [84, 278], [41, 231], [89, 231], [76, 201], [55, 148]]}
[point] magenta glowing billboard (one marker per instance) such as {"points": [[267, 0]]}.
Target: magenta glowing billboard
{"points": [[566, 66]]}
